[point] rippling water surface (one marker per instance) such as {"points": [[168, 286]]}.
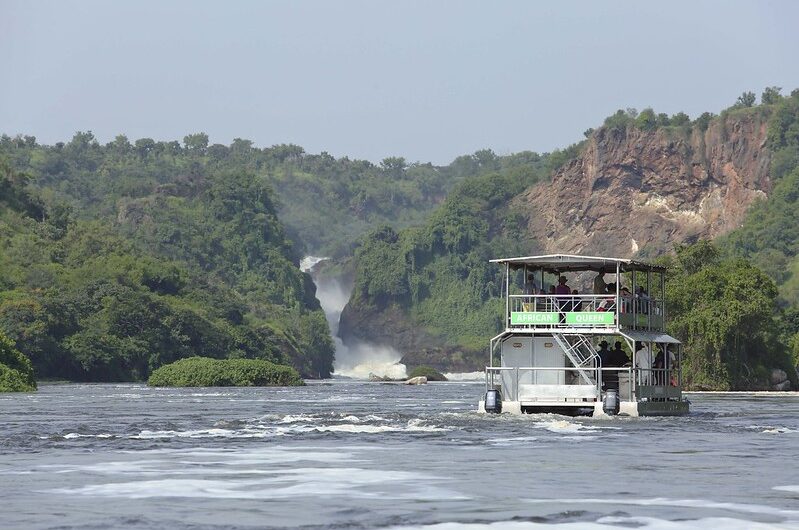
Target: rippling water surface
{"points": [[356, 454]]}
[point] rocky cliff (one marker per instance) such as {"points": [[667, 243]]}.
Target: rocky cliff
{"points": [[636, 192]]}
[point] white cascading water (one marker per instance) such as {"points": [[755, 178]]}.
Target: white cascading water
{"points": [[352, 360]]}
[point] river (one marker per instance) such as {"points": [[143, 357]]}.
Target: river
{"points": [[371, 455]]}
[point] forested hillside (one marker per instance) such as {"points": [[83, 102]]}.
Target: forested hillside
{"points": [[121, 257], [430, 292], [109, 273]]}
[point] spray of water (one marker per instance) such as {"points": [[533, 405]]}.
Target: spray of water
{"points": [[356, 360]]}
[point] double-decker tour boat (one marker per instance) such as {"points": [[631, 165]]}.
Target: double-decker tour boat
{"points": [[604, 351]]}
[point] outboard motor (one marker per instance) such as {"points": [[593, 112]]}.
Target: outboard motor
{"points": [[610, 405], [493, 402]]}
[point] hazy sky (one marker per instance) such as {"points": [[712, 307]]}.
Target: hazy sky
{"points": [[425, 80]]}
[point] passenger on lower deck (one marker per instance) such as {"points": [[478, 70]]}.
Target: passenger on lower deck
{"points": [[644, 362], [615, 358]]}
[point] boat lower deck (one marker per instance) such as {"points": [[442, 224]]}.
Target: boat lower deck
{"points": [[593, 408]]}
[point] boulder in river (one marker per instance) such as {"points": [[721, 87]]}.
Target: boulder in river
{"points": [[778, 376], [421, 380]]}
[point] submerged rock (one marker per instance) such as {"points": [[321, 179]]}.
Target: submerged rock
{"points": [[421, 380]]}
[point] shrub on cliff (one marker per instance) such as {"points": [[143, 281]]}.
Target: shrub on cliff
{"points": [[204, 371], [427, 371], [16, 372]]}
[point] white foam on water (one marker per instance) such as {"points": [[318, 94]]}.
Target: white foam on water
{"points": [[790, 488], [414, 425], [363, 360], [295, 418], [565, 426], [518, 440], [75, 435], [466, 376], [779, 430], [603, 523], [682, 503], [352, 482]]}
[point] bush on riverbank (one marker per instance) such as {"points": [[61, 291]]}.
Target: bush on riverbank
{"points": [[427, 371], [203, 371], [16, 372]]}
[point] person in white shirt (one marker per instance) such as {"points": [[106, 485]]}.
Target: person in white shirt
{"points": [[644, 361]]}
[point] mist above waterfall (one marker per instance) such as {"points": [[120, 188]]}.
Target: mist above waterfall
{"points": [[356, 360]]}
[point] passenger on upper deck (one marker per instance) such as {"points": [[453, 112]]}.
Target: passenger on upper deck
{"points": [[626, 300], [600, 287], [577, 304], [529, 286], [563, 287], [643, 299]]}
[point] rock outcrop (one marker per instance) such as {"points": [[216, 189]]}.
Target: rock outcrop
{"points": [[635, 192]]}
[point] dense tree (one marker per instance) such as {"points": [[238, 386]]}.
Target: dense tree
{"points": [[725, 312], [747, 99], [770, 95]]}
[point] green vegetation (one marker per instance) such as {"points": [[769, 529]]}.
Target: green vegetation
{"points": [[202, 371], [725, 311], [121, 258], [438, 274], [16, 372], [149, 271], [427, 371]]}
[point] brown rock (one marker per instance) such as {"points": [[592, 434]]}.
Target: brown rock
{"points": [[635, 192]]}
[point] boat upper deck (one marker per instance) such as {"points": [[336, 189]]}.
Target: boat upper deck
{"points": [[621, 294]]}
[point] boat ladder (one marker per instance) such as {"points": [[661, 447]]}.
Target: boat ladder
{"points": [[580, 352]]}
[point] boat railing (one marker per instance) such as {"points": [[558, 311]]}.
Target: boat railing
{"points": [[632, 383], [548, 311]]}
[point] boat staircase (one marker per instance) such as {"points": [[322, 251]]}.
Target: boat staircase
{"points": [[581, 353]]}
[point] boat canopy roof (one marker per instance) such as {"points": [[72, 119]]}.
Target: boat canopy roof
{"points": [[649, 336], [557, 263]]}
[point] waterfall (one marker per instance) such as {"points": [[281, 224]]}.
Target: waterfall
{"points": [[352, 360]]}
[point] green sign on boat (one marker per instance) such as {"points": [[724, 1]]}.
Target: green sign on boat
{"points": [[522, 318], [579, 318], [590, 318]]}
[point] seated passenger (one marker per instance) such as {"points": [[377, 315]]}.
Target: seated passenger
{"points": [[550, 302], [625, 299], [577, 304]]}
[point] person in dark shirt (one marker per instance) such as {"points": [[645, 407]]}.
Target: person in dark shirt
{"points": [[618, 357]]}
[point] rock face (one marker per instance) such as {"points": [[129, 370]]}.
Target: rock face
{"points": [[421, 380], [635, 192]]}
